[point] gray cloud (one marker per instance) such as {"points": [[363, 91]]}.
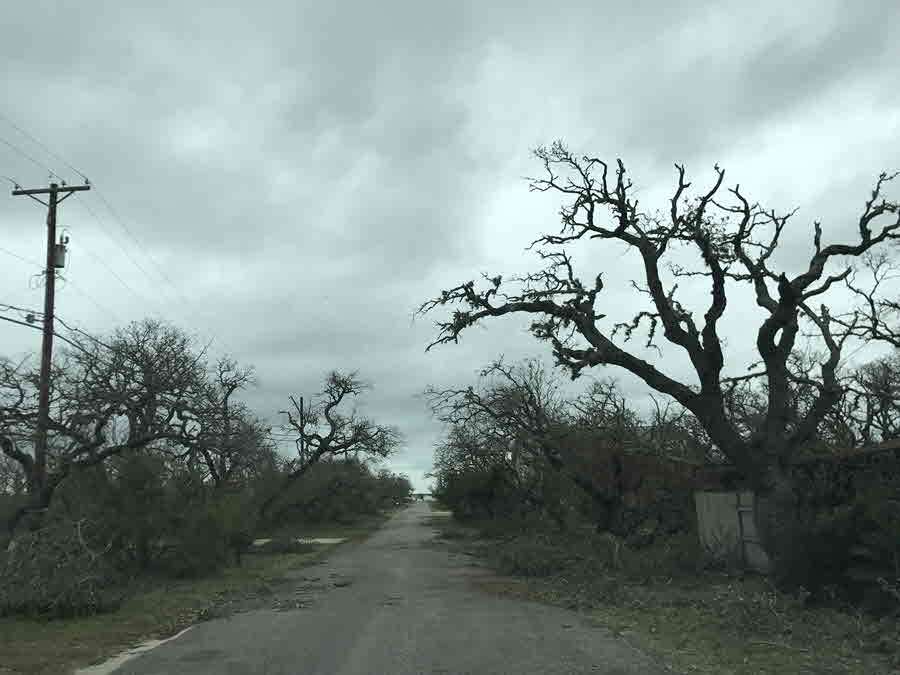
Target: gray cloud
{"points": [[301, 176]]}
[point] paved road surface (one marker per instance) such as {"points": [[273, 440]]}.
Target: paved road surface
{"points": [[410, 607]]}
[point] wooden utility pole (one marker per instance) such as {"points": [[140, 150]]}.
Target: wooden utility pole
{"points": [[39, 478], [302, 434]]}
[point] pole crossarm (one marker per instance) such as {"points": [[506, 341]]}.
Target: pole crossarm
{"points": [[51, 189]]}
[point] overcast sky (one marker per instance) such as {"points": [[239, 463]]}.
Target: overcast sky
{"points": [[298, 177]]}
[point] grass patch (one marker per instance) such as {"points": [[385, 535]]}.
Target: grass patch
{"points": [[667, 601], [157, 608], [744, 627]]}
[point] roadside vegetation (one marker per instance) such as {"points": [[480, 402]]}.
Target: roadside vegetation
{"points": [[584, 499], [351, 501], [628, 552], [691, 614], [156, 482]]}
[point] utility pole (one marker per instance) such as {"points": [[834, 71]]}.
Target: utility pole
{"points": [[302, 434], [40, 443]]}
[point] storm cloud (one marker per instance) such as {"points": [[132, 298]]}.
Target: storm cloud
{"points": [[294, 179]]}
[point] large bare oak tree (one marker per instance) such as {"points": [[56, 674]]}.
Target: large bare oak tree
{"points": [[734, 243]]}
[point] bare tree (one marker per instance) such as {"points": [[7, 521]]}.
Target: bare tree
{"points": [[523, 402], [129, 393], [731, 248], [324, 430], [520, 409], [520, 418], [870, 410], [227, 433]]}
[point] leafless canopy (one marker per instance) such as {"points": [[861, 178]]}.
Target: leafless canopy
{"points": [[324, 430], [734, 242], [133, 392]]}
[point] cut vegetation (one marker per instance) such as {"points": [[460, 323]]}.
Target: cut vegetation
{"points": [[159, 607], [693, 617]]}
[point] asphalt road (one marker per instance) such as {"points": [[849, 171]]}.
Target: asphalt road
{"points": [[396, 603]]}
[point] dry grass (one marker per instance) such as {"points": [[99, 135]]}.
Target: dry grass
{"points": [[743, 626]]}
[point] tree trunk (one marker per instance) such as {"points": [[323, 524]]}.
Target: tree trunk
{"points": [[31, 514], [778, 516]]}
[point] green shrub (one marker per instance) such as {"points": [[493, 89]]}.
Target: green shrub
{"points": [[533, 556], [816, 555], [199, 546], [673, 556], [136, 504], [237, 517], [838, 553], [880, 516], [339, 491]]}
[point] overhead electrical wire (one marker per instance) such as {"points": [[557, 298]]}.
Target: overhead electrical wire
{"points": [[103, 309], [16, 255], [46, 149], [165, 277], [84, 177], [30, 322], [180, 298], [69, 282], [5, 307], [36, 327], [81, 332], [15, 148], [107, 267]]}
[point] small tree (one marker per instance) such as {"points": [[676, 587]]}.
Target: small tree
{"points": [[522, 417], [324, 430], [228, 434]]}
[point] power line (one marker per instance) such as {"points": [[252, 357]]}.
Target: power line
{"points": [[68, 282], [31, 159], [5, 307], [160, 270], [36, 327], [57, 156], [120, 247], [107, 267], [174, 295], [84, 333], [42, 145], [105, 310], [16, 255], [146, 251], [162, 274]]}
